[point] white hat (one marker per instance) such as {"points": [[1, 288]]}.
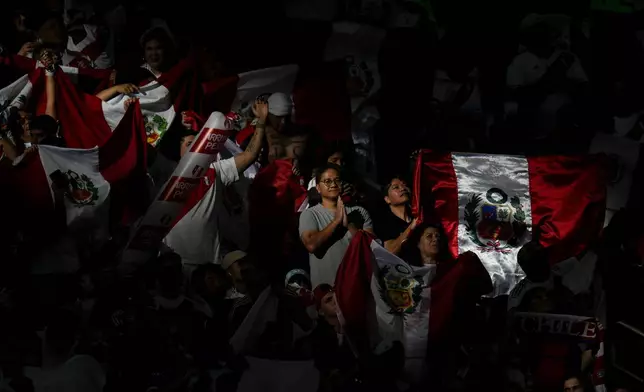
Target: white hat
{"points": [[280, 104], [231, 258]]}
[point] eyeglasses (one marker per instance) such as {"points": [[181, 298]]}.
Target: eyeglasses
{"points": [[329, 182]]}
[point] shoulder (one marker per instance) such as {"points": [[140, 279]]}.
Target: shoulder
{"points": [[311, 212]]}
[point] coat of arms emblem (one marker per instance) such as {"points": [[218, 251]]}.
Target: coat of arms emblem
{"points": [[497, 223], [81, 191], [400, 288]]}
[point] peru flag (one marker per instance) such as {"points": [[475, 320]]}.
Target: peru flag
{"points": [[86, 176], [319, 96], [489, 204], [160, 100], [383, 299]]}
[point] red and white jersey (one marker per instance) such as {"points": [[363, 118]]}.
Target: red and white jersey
{"points": [[90, 52]]}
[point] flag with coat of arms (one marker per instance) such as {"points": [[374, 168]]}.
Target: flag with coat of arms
{"points": [[489, 204]]}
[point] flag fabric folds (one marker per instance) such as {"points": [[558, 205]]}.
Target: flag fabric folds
{"points": [[489, 204], [86, 176], [383, 299]]}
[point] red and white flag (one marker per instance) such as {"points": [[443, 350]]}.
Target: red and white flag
{"points": [[319, 96], [89, 52], [383, 299], [160, 100], [87, 176], [489, 204]]}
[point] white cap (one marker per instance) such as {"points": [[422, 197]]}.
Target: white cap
{"points": [[231, 258], [280, 104]]}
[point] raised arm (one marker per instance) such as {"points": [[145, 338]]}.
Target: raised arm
{"points": [[246, 158], [50, 88], [395, 245], [111, 92]]}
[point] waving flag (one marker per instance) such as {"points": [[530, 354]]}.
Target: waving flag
{"points": [[488, 204], [238, 93], [89, 52], [88, 79], [160, 100], [383, 299], [82, 123], [319, 95], [86, 175]]}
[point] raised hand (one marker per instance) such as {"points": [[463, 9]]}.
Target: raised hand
{"points": [[27, 48], [128, 102], [260, 108]]}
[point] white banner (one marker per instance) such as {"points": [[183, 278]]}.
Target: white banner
{"points": [[170, 201]]}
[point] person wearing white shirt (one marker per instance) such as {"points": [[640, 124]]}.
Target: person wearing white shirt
{"points": [[196, 236]]}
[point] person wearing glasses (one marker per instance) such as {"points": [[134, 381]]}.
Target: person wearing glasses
{"points": [[326, 228]]}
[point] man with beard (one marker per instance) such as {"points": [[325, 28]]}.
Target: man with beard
{"points": [[396, 223]]}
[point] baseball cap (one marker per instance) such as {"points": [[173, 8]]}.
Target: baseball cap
{"points": [[280, 104], [231, 258]]}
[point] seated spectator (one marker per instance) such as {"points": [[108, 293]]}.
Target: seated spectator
{"points": [[326, 228]]}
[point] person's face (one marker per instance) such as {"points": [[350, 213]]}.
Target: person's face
{"points": [[540, 301], [23, 120], [37, 136], [186, 142], [154, 54], [398, 193], [276, 122], [212, 283], [235, 273], [330, 184], [573, 385], [329, 306], [428, 244], [337, 159]]}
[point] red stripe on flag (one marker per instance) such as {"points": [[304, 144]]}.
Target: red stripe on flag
{"points": [[209, 141], [353, 290], [436, 193], [568, 199], [82, 123], [178, 189]]}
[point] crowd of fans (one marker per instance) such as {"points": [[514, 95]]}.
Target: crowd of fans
{"points": [[186, 320]]}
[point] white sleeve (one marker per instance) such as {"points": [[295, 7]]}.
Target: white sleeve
{"points": [[226, 171]]}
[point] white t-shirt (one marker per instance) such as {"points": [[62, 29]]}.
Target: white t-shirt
{"points": [[81, 373], [196, 236]]}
